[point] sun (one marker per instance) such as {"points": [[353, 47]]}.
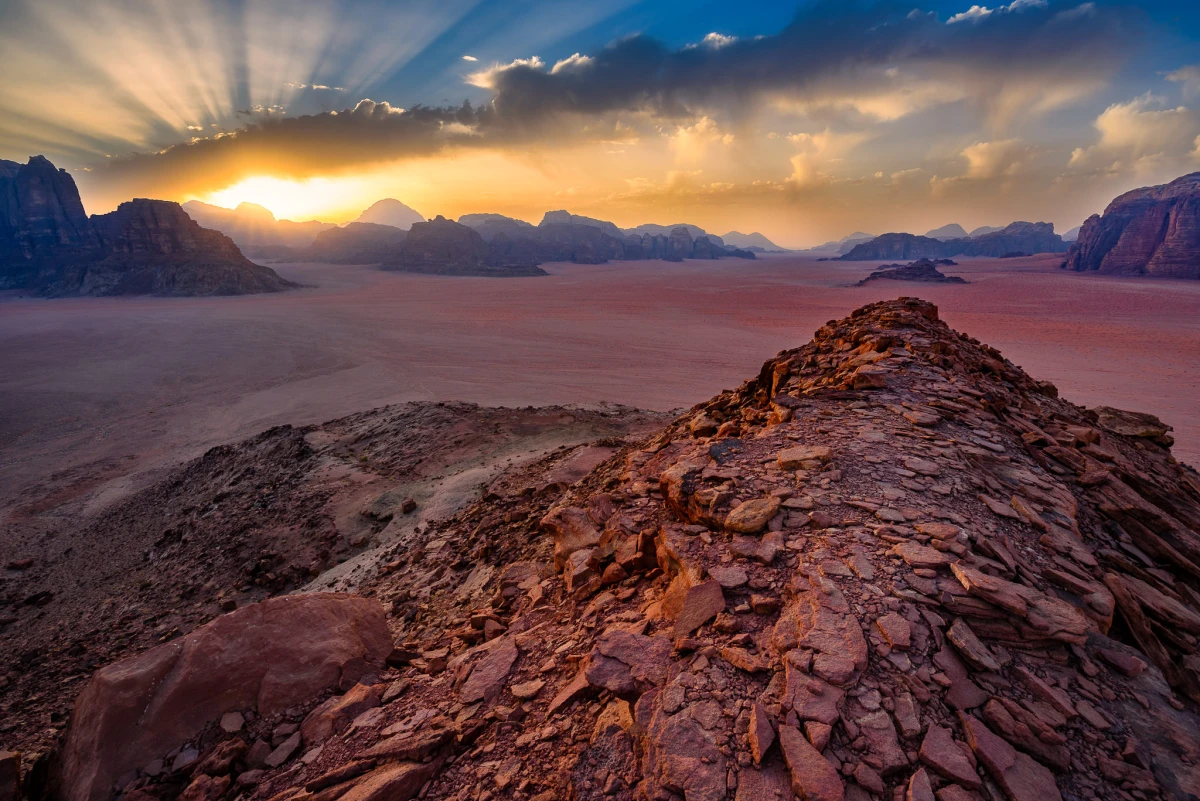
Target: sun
{"points": [[315, 198]]}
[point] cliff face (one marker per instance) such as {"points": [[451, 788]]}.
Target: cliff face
{"points": [[50, 246], [1019, 237], [40, 215], [1150, 231]]}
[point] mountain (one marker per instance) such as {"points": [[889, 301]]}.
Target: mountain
{"points": [[356, 243], [986, 229], [1017, 237], [891, 565], [843, 245], [255, 228], [751, 241], [1150, 231], [489, 225], [566, 218], [1072, 235], [390, 211], [665, 230], [443, 247], [951, 231], [48, 245]]}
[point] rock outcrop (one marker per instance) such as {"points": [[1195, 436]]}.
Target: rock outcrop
{"points": [[48, 245], [1150, 231], [263, 658], [566, 218], [951, 231], [922, 270], [1025, 237], [443, 247], [356, 243], [891, 565], [491, 225]]}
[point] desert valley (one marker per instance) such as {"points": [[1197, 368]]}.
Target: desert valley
{"points": [[307, 495]]}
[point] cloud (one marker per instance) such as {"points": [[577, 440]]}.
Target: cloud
{"points": [[986, 160], [1189, 77], [574, 62], [469, 58], [690, 143], [1139, 136], [977, 13], [817, 153]]}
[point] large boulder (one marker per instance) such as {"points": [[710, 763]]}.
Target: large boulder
{"points": [[265, 657]]}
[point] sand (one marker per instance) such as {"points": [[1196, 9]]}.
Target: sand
{"points": [[98, 395]]}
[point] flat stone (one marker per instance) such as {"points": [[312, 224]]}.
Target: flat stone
{"points": [[729, 577], [527, 690], [794, 458], [768, 783], [818, 733], [489, 674], [702, 603], [895, 629], [284, 752], [232, 722], [889, 515], [751, 517], [813, 777], [833, 668], [907, 718], [946, 758], [742, 659], [1021, 776], [761, 734], [884, 752], [917, 555], [919, 788], [922, 466], [969, 646]]}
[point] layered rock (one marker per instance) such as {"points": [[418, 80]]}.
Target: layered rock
{"points": [[1150, 231], [48, 245], [891, 565], [1024, 237], [921, 270]]}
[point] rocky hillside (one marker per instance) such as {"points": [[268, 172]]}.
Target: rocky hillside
{"points": [[892, 565], [921, 270], [356, 243], [1018, 237], [1150, 231], [49, 246]]}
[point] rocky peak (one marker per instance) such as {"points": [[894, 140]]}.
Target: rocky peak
{"points": [[1149, 231], [40, 211], [891, 565]]}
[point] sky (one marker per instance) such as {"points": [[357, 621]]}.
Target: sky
{"points": [[806, 121]]}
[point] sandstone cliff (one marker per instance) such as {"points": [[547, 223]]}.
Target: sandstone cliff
{"points": [[48, 245], [1150, 231], [892, 565]]}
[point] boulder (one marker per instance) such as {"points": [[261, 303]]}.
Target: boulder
{"points": [[267, 657]]}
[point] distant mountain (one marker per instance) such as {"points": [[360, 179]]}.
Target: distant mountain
{"points": [[390, 211], [489, 226], [1018, 237], [146, 247], [566, 218], [985, 229], [951, 231], [1152, 231], [665, 230], [355, 243], [255, 229], [1072, 235], [751, 241], [843, 245]]}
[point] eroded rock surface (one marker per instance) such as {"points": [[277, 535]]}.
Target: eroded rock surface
{"points": [[966, 588]]}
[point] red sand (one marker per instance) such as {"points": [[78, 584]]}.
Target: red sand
{"points": [[106, 389]]}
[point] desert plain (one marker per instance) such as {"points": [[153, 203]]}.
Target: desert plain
{"points": [[99, 395]]}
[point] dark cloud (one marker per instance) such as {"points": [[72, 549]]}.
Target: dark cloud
{"points": [[1018, 57]]}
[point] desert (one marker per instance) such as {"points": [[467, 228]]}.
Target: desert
{"points": [[467, 401]]}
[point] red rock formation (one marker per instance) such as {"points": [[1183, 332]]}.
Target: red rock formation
{"points": [[1150, 231]]}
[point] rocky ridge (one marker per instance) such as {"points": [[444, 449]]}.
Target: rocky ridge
{"points": [[1018, 236], [892, 565], [922, 270], [1150, 231]]}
